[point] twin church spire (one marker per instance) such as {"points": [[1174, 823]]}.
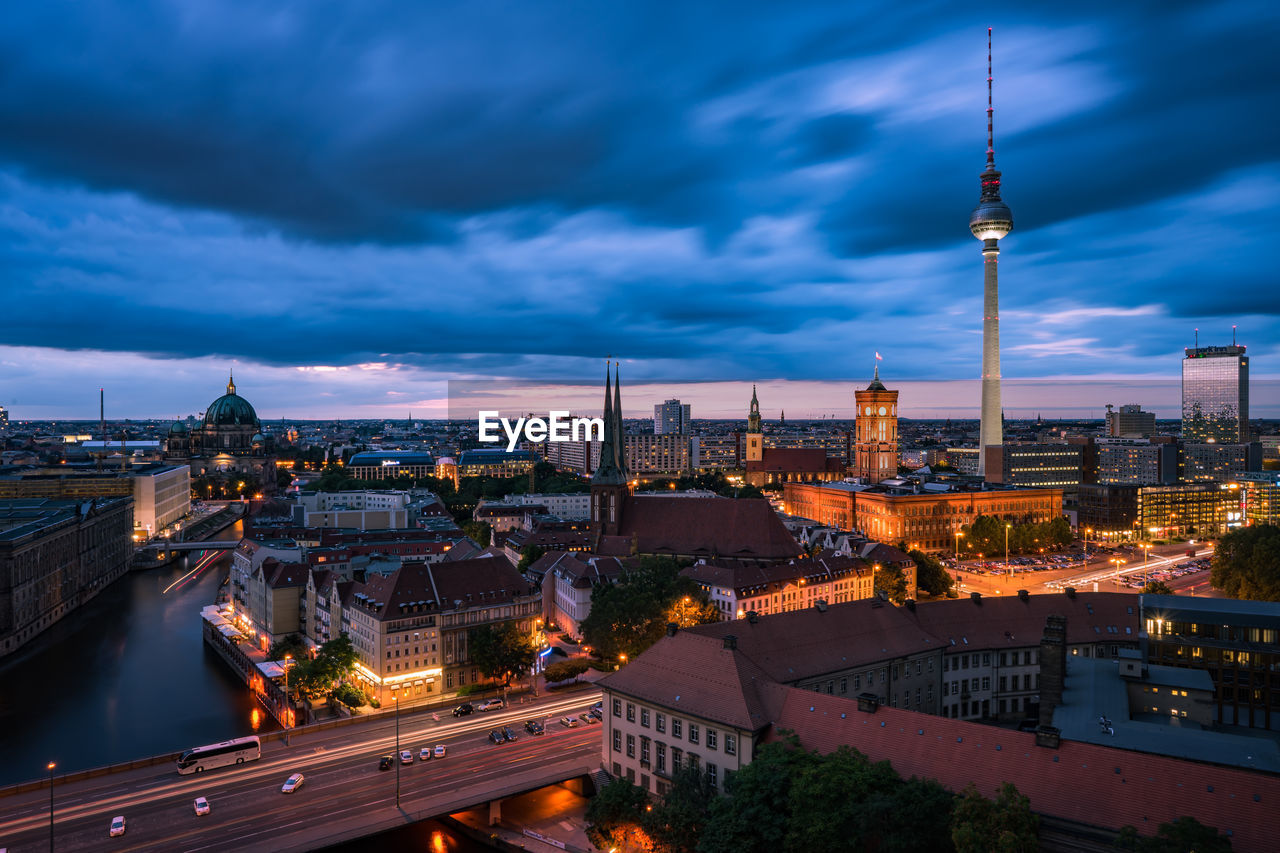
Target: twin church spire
{"points": [[612, 469]]}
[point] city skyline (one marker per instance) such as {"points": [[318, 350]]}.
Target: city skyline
{"points": [[615, 185]]}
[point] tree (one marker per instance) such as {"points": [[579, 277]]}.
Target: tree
{"points": [[931, 575], [501, 651], [565, 669], [333, 662], [1184, 835], [614, 815], [1246, 563], [290, 644], [629, 616], [529, 555], [480, 531], [755, 817], [1157, 588], [892, 580], [677, 822], [1005, 825]]}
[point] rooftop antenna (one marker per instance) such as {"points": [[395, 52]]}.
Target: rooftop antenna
{"points": [[1197, 339], [991, 141], [102, 425], [1233, 334]]}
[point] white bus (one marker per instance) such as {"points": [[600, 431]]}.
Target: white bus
{"points": [[236, 751]]}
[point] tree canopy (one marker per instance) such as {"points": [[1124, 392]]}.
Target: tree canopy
{"points": [[1003, 825], [318, 676], [629, 616], [501, 651], [931, 575], [1157, 588], [892, 580], [986, 536], [1184, 835], [1246, 563]]}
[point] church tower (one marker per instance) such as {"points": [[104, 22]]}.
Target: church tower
{"points": [[755, 438], [875, 449], [610, 485]]}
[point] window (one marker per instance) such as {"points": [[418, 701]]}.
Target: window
{"points": [[986, 658], [631, 713], [644, 717], [730, 745], [661, 764], [986, 683], [617, 741], [712, 777], [676, 725], [844, 685], [660, 722], [644, 751], [1004, 684], [693, 733], [676, 755], [631, 746], [711, 738], [617, 707]]}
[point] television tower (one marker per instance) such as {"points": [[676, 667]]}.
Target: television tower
{"points": [[990, 221]]}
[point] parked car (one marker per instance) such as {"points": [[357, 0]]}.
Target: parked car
{"points": [[568, 722], [292, 784], [510, 734], [438, 752], [386, 762], [463, 709], [533, 727], [587, 718], [406, 757], [597, 712], [202, 806], [117, 825], [424, 754], [496, 736], [491, 705]]}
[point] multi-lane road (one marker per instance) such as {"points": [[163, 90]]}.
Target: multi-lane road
{"points": [[345, 794]]}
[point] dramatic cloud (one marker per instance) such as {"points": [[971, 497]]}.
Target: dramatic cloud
{"points": [[716, 192]]}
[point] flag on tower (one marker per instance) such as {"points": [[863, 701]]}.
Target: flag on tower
{"points": [[878, 358]]}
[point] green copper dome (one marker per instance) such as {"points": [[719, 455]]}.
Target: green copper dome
{"points": [[177, 427], [230, 410]]}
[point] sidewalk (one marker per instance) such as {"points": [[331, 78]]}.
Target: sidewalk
{"points": [[555, 816]]}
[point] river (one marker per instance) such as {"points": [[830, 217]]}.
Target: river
{"points": [[123, 677]]}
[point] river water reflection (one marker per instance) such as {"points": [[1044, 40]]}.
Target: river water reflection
{"points": [[126, 676]]}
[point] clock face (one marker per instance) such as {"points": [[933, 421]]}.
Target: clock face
{"points": [[882, 410], [868, 410]]}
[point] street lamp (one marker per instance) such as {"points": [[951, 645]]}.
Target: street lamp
{"points": [[1007, 526], [50, 768], [288, 710], [395, 697], [1146, 554]]}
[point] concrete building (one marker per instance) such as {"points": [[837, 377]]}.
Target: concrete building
{"points": [[573, 506], [161, 496], [568, 579], [666, 454], [56, 555], [1037, 465], [1136, 462], [1236, 642], [672, 418], [161, 492], [738, 589], [495, 462], [1214, 462], [1215, 395], [386, 464], [1130, 422], [715, 452], [366, 510]]}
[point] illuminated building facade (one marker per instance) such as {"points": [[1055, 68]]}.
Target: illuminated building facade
{"points": [[671, 418], [1057, 465], [875, 432], [1215, 395], [1130, 420], [1187, 509], [227, 443], [1260, 497], [1219, 462], [387, 464]]}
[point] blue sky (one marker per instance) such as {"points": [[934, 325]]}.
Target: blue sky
{"points": [[354, 202]]}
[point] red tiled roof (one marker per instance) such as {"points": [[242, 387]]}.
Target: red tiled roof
{"points": [[480, 581], [802, 643], [801, 460], [697, 675], [712, 527], [280, 575], [1005, 621], [740, 576], [1087, 783]]}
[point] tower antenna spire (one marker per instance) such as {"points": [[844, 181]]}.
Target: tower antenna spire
{"points": [[991, 134]]}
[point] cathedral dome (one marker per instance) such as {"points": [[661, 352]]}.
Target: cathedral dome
{"points": [[177, 428], [230, 410]]}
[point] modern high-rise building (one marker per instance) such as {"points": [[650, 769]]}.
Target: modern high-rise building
{"points": [[671, 418], [4, 417], [1130, 421], [990, 221], [1215, 395]]}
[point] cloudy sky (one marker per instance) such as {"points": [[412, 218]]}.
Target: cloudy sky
{"points": [[351, 203]]}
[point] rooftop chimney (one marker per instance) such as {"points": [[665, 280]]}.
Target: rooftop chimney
{"points": [[753, 617], [730, 641], [821, 604], [672, 627], [1023, 595], [911, 604], [975, 597], [1053, 667], [1070, 591]]}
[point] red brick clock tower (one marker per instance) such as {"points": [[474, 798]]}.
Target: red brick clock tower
{"points": [[876, 432]]}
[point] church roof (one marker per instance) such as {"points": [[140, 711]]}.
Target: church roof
{"points": [[230, 410], [710, 527]]}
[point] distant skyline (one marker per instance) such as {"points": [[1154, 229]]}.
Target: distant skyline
{"points": [[354, 202]]}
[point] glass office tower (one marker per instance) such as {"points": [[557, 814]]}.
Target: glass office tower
{"points": [[1215, 396]]}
